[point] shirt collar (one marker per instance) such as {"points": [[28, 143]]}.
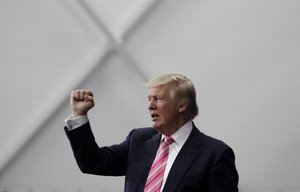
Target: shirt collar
{"points": [[181, 135]]}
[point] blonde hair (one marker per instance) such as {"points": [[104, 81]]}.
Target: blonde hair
{"points": [[181, 88]]}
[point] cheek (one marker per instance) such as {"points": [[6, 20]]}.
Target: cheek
{"points": [[167, 115], [167, 111]]}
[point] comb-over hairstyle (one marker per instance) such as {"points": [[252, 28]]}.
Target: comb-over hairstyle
{"points": [[181, 88]]}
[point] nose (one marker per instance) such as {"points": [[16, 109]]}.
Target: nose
{"points": [[151, 104]]}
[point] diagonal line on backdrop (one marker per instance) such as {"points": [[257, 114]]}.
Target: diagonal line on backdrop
{"points": [[118, 44]]}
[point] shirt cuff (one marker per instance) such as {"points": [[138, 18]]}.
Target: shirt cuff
{"points": [[73, 123]]}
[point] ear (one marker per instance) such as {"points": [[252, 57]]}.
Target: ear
{"points": [[183, 106]]}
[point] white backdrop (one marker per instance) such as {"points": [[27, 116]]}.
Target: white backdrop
{"points": [[243, 57]]}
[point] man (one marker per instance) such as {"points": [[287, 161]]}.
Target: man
{"points": [[172, 156]]}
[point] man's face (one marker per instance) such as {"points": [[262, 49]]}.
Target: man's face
{"points": [[163, 109]]}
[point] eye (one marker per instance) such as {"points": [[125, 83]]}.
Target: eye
{"points": [[155, 98]]}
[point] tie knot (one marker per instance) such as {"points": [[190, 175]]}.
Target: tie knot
{"points": [[168, 140]]}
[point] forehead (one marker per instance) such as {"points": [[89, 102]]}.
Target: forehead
{"points": [[159, 90]]}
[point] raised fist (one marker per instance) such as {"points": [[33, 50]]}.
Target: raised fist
{"points": [[81, 102]]}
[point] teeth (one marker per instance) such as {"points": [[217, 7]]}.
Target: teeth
{"points": [[153, 115]]}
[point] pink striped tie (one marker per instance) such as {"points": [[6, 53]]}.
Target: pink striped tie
{"points": [[156, 173]]}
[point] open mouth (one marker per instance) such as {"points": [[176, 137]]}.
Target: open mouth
{"points": [[154, 116]]}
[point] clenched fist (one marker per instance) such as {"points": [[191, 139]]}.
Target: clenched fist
{"points": [[81, 102]]}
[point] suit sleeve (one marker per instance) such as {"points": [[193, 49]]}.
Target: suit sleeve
{"points": [[97, 160], [223, 176]]}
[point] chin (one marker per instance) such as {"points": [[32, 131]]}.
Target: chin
{"points": [[155, 127], [159, 129]]}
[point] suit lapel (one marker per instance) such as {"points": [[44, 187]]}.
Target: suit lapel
{"points": [[149, 152], [183, 160]]}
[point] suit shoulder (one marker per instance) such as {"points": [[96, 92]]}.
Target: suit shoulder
{"points": [[212, 143], [143, 133], [145, 130], [214, 140]]}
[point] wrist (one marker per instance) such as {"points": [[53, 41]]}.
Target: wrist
{"points": [[75, 114]]}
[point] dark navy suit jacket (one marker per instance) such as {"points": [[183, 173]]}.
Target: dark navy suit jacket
{"points": [[204, 164]]}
